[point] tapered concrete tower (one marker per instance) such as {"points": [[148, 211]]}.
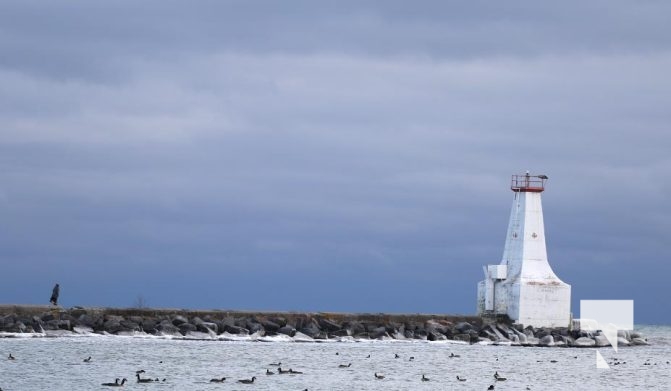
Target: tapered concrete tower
{"points": [[523, 285]]}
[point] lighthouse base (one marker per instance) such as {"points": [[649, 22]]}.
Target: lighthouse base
{"points": [[530, 302]]}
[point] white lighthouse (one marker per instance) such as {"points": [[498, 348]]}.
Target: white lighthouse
{"points": [[523, 285]]}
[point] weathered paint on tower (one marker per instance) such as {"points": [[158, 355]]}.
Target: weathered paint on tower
{"points": [[523, 285]]}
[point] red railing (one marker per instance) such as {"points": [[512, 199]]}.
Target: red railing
{"points": [[526, 182]]}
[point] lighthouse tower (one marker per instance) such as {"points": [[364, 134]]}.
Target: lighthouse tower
{"points": [[523, 285]]}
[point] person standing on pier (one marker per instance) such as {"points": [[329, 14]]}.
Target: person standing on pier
{"points": [[54, 295]]}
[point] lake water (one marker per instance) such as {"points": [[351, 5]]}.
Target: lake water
{"points": [[57, 364]]}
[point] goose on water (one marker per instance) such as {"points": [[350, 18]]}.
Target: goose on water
{"points": [[218, 380], [116, 383], [141, 380], [247, 381]]}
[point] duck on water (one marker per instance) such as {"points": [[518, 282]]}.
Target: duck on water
{"points": [[116, 383]]}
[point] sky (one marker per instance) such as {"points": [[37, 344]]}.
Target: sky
{"points": [[349, 156]]}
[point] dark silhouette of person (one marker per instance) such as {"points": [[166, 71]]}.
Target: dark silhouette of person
{"points": [[54, 295]]}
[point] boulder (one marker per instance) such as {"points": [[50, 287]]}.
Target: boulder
{"points": [[532, 341], [462, 337], [232, 329], [354, 327], [77, 311], [311, 330], [639, 341], [242, 321], [340, 333], [329, 325], [378, 332], [287, 330], [166, 327], [435, 336], [542, 332], [228, 321], [420, 334], [547, 340], [47, 316], [148, 325], [436, 327], [584, 342], [185, 328], [280, 321], [567, 340], [255, 327], [524, 340], [271, 326], [50, 325], [601, 340], [112, 326], [529, 331], [177, 320], [207, 327], [463, 327], [129, 325], [621, 341]]}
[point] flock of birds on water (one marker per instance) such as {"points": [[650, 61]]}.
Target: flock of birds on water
{"points": [[144, 380]]}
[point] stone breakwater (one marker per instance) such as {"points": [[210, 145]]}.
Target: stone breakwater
{"points": [[226, 325]]}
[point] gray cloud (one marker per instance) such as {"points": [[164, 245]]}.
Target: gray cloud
{"points": [[327, 153]]}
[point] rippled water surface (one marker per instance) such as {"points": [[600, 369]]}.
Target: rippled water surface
{"points": [[57, 364]]}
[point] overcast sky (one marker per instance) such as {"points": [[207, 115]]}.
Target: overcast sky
{"points": [[349, 156]]}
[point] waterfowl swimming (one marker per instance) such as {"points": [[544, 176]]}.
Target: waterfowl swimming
{"points": [[275, 364], [247, 381], [115, 384], [218, 380], [411, 358], [461, 378], [368, 356], [141, 380], [379, 377], [491, 387], [424, 378], [498, 377], [10, 357], [345, 366], [396, 355], [452, 355], [281, 371], [269, 372], [87, 359], [295, 372]]}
